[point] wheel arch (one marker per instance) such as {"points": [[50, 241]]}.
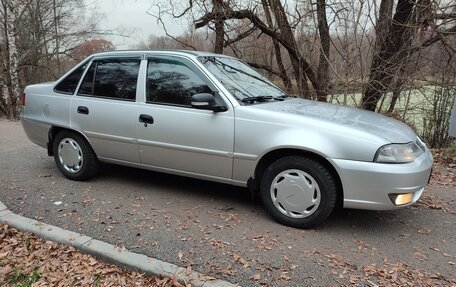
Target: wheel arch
{"points": [[274, 155], [54, 130]]}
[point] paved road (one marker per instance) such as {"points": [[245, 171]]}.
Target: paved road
{"points": [[217, 230]]}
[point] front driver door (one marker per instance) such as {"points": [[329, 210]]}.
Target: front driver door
{"points": [[181, 138]]}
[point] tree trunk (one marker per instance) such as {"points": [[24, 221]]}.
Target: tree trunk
{"points": [[219, 28], [4, 97], [12, 61], [392, 42], [283, 72], [287, 35], [396, 94], [325, 45], [57, 39], [278, 53]]}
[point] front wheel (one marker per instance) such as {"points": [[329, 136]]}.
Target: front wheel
{"points": [[298, 191], [74, 156]]}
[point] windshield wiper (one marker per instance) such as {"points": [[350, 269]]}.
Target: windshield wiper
{"points": [[283, 97], [256, 99], [265, 98]]}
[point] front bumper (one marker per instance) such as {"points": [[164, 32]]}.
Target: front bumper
{"points": [[367, 185]]}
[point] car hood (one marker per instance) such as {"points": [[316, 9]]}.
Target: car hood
{"points": [[366, 121]]}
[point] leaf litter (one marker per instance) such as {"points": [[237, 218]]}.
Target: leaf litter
{"points": [[393, 274], [53, 264]]}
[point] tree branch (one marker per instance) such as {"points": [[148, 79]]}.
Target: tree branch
{"points": [[239, 37], [266, 68], [445, 16], [229, 14]]}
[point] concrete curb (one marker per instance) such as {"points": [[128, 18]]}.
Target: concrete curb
{"points": [[107, 252], [2, 206]]}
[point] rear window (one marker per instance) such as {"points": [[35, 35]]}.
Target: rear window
{"points": [[69, 84], [111, 78]]}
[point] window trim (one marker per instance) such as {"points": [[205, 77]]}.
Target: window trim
{"points": [[169, 104], [93, 80], [188, 63], [96, 61], [62, 78], [106, 98]]}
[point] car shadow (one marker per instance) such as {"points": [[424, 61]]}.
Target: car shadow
{"points": [[240, 198], [178, 185]]}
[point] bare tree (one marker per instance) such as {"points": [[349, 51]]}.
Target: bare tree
{"points": [[276, 23], [395, 35], [219, 27], [11, 11], [277, 50], [36, 40], [325, 45], [90, 47]]}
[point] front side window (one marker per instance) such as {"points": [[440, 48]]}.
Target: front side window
{"points": [[69, 83], [111, 78], [172, 82]]}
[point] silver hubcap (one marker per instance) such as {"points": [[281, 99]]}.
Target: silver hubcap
{"points": [[70, 155], [295, 193]]}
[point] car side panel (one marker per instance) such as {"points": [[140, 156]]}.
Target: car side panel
{"points": [[110, 126], [187, 139], [259, 132], [36, 131], [44, 109]]}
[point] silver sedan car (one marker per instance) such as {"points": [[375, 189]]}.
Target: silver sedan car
{"points": [[213, 117]]}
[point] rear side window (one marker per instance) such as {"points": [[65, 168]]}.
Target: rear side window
{"points": [[69, 83], [111, 78]]}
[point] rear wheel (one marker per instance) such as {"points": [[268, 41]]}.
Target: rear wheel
{"points": [[74, 156], [298, 191]]}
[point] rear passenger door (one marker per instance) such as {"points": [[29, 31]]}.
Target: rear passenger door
{"points": [[105, 108]]}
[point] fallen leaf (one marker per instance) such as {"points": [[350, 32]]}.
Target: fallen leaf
{"points": [[44, 175], [6, 270], [255, 277], [284, 276], [424, 230], [4, 254]]}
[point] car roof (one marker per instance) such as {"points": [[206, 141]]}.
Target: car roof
{"points": [[165, 51]]}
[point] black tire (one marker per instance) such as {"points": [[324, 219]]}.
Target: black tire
{"points": [[90, 164], [326, 184]]}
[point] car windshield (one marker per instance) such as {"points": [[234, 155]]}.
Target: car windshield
{"points": [[244, 83]]}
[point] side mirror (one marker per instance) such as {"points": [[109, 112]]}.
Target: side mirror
{"points": [[206, 101]]}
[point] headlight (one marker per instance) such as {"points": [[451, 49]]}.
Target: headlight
{"points": [[398, 153]]}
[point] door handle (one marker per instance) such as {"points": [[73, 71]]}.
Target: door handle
{"points": [[146, 119], [83, 110]]}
